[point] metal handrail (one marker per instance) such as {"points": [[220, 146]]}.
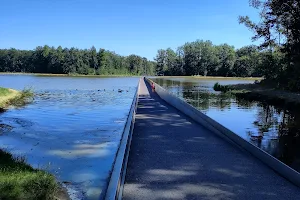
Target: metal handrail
{"points": [[115, 186]]}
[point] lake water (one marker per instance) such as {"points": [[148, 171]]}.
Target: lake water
{"points": [[72, 128], [274, 129]]}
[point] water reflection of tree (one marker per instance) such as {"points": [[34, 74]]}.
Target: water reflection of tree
{"points": [[200, 97], [267, 117], [277, 129], [203, 100], [244, 103], [195, 95], [289, 139], [195, 98], [280, 131]]}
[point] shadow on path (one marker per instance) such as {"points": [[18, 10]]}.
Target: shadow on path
{"points": [[173, 157]]}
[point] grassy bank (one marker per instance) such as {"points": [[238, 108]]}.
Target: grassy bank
{"points": [[20, 181], [263, 93], [13, 97]]}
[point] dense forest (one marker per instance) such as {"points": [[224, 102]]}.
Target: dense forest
{"points": [[73, 61], [205, 59], [279, 28], [277, 58], [195, 58]]}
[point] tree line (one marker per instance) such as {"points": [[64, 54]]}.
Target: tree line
{"points": [[277, 58], [206, 59], [194, 58], [73, 61]]}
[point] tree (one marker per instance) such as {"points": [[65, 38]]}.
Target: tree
{"points": [[190, 59], [280, 29], [161, 65], [247, 62], [199, 57], [180, 61], [102, 61], [271, 65], [226, 60], [93, 59], [135, 64], [170, 62]]}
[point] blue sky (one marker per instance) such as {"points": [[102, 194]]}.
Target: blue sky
{"points": [[124, 26]]}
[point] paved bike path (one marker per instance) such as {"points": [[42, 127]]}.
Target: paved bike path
{"points": [[173, 157]]}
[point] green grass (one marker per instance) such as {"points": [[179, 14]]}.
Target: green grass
{"points": [[22, 99], [4, 91], [13, 97], [19, 181]]}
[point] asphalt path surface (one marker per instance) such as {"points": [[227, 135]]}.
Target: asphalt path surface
{"points": [[173, 157]]}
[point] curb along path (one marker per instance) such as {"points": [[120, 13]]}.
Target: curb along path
{"points": [[173, 157]]}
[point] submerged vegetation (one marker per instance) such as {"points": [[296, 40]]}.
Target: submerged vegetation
{"points": [[218, 87]]}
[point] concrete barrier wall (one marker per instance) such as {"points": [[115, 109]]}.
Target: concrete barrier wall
{"points": [[116, 183], [281, 168]]}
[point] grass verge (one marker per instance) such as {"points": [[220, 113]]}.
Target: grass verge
{"points": [[13, 97], [20, 181]]}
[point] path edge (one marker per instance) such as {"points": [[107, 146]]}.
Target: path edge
{"points": [[284, 170], [114, 189]]}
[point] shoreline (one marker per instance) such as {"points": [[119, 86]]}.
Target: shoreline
{"points": [[15, 173], [127, 75], [26, 182], [11, 97], [7, 95], [211, 77], [65, 75], [266, 94]]}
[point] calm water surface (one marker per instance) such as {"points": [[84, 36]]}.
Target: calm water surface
{"points": [[273, 129], [72, 128]]}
